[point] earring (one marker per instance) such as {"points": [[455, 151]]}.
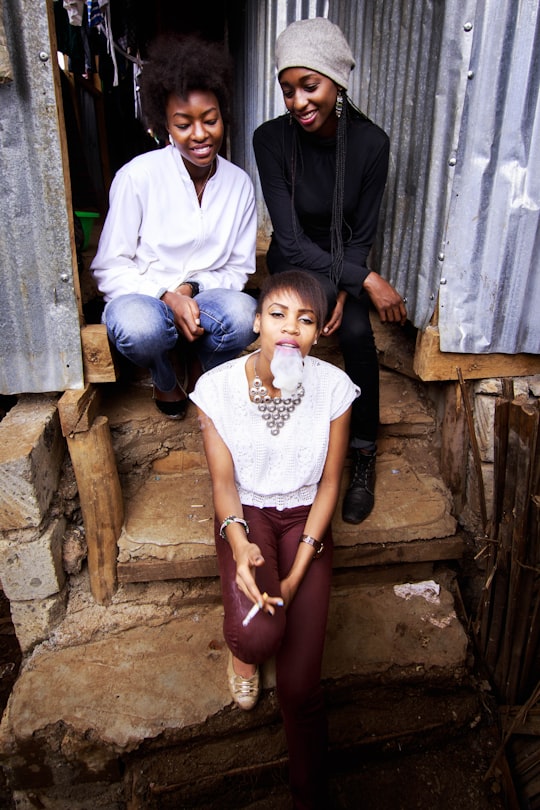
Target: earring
{"points": [[171, 141], [289, 116], [339, 103]]}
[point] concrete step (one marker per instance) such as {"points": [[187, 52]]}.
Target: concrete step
{"points": [[111, 688]]}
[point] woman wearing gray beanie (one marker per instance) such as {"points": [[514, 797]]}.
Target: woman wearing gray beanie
{"points": [[323, 168]]}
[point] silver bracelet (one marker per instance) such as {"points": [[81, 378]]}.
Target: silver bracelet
{"points": [[317, 545], [232, 519]]}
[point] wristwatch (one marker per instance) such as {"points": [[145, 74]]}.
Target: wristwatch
{"points": [[317, 545], [195, 287]]}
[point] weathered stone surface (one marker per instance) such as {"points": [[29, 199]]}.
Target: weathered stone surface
{"points": [[171, 516], [31, 453], [493, 385], [408, 506], [534, 385], [140, 433], [375, 628], [33, 570], [403, 411], [105, 697], [36, 619]]}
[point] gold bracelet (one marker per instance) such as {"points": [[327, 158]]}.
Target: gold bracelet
{"points": [[317, 545]]}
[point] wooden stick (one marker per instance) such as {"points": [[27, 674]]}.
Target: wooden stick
{"points": [[495, 596], [102, 506], [533, 635], [475, 450], [523, 439]]}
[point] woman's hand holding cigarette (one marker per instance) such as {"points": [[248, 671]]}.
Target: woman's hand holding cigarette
{"points": [[266, 604], [248, 558]]}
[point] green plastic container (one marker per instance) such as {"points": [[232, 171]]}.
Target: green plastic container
{"points": [[87, 221]]}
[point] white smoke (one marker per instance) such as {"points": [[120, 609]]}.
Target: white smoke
{"points": [[287, 366]]}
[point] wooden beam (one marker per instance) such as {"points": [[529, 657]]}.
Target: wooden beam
{"points": [[99, 360], [420, 551], [430, 364], [454, 445], [414, 551], [78, 409], [102, 505], [158, 570]]}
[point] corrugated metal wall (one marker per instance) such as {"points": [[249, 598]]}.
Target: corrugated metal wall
{"points": [[39, 323], [455, 84]]}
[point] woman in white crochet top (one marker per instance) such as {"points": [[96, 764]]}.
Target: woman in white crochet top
{"points": [[275, 427]]}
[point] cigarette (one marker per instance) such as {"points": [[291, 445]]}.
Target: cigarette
{"points": [[253, 612], [255, 609]]}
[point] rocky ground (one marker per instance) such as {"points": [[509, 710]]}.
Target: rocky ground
{"points": [[437, 771]]}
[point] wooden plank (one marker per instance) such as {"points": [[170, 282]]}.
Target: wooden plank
{"points": [[154, 570], [454, 445], [430, 364], [524, 418], [99, 361], [448, 548], [102, 505], [78, 409]]}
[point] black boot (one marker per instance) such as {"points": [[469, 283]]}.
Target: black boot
{"points": [[360, 497]]}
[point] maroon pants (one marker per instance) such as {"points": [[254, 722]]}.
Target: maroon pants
{"points": [[295, 636]]}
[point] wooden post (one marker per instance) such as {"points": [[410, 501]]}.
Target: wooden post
{"points": [[102, 506]]}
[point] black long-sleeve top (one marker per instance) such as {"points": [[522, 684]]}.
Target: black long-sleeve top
{"points": [[305, 243]]}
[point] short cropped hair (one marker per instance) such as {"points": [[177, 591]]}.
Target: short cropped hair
{"points": [[181, 65], [304, 285]]}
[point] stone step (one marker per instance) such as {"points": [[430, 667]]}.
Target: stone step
{"points": [[110, 686], [168, 530]]}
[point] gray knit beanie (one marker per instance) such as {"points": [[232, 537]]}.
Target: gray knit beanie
{"points": [[317, 44]]}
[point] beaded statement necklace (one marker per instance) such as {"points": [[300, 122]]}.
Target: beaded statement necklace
{"points": [[274, 410]]}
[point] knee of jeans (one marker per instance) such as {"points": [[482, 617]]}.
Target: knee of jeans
{"points": [[138, 319], [233, 313]]}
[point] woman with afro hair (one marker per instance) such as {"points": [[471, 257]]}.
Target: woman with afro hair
{"points": [[178, 242]]}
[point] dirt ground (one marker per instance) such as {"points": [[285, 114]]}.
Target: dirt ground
{"points": [[447, 776]]}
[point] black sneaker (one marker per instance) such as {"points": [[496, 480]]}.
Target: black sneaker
{"points": [[360, 496]]}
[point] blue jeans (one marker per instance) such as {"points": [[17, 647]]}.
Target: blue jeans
{"points": [[142, 328]]}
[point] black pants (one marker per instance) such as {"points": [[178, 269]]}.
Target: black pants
{"points": [[357, 345]]}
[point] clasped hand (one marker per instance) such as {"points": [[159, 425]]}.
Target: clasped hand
{"points": [[186, 315]]}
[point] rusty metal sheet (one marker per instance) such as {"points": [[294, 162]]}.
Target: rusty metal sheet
{"points": [[39, 323]]}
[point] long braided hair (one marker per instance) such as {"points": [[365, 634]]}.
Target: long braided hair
{"points": [[337, 222]]}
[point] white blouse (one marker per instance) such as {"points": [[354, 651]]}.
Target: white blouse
{"points": [[282, 471], [156, 235]]}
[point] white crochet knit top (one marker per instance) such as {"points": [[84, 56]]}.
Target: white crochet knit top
{"points": [[284, 470]]}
